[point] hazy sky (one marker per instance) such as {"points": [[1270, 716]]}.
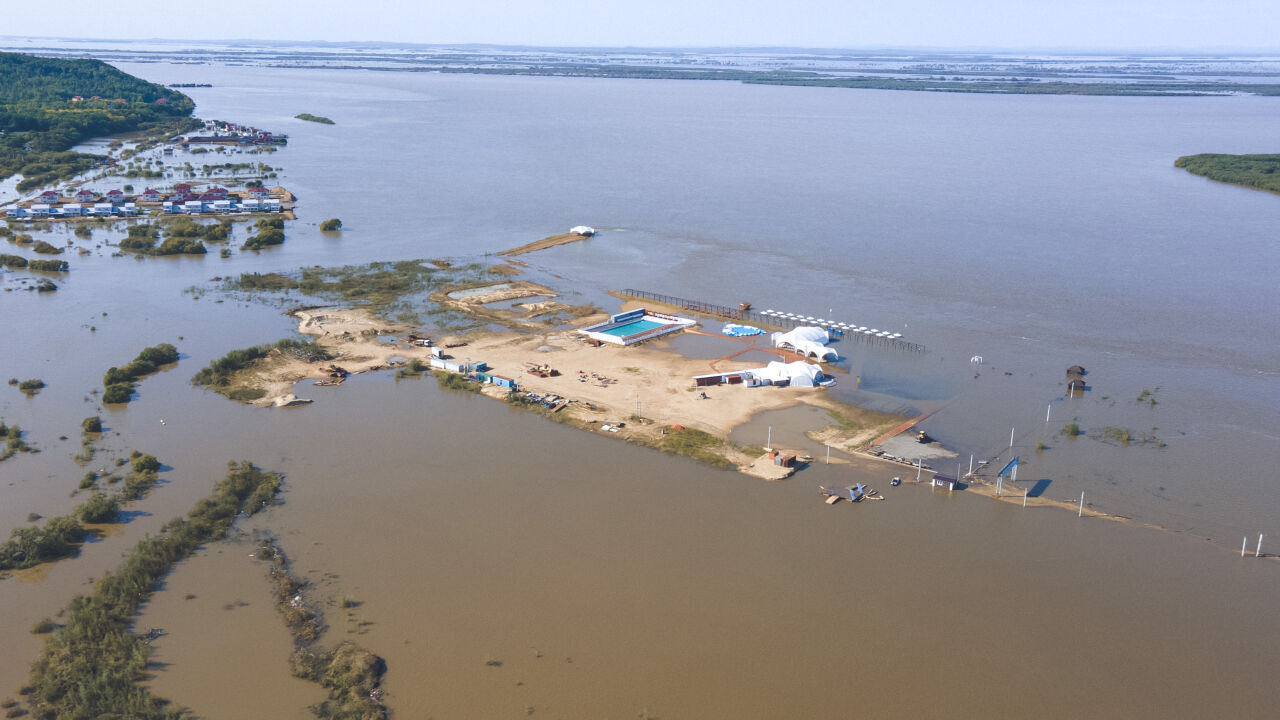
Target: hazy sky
{"points": [[1101, 24]]}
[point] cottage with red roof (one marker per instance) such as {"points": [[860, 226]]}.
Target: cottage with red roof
{"points": [[219, 191], [85, 196], [115, 197], [182, 188], [48, 197], [150, 195], [258, 193]]}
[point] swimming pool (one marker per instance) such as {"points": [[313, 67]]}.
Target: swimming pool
{"points": [[632, 328]]}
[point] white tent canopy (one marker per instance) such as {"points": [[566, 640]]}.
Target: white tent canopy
{"points": [[808, 341], [797, 374]]}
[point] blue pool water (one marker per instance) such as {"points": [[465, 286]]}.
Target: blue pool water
{"points": [[632, 328]]}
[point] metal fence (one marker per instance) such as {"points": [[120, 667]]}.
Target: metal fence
{"points": [[751, 316]]}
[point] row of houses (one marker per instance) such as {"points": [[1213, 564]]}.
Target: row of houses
{"points": [[182, 192], [190, 207], [41, 210], [199, 207]]}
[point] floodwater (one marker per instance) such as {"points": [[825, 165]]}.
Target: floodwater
{"points": [[609, 580]]}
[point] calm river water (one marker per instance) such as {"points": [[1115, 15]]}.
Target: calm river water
{"points": [[1037, 232]]}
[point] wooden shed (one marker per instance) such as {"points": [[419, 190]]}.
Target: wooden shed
{"points": [[945, 481]]}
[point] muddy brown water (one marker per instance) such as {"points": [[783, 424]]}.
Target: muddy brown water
{"points": [[470, 534], [608, 580]]}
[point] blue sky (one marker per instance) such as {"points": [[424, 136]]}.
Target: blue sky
{"points": [[1082, 24]]}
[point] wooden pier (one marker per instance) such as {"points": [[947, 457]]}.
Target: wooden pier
{"points": [[751, 316]]}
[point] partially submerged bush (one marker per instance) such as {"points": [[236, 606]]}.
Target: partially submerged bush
{"points": [[30, 546], [119, 382], [350, 673], [118, 393], [101, 508], [49, 265]]}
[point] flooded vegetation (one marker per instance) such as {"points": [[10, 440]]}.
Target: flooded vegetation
{"points": [[92, 665], [350, 674], [226, 375], [119, 383], [61, 537]]}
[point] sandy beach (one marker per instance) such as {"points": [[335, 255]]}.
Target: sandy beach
{"points": [[647, 388]]}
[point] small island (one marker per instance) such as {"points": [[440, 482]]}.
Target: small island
{"points": [[1260, 172], [314, 118]]}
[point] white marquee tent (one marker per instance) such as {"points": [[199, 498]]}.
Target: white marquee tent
{"points": [[808, 341]]}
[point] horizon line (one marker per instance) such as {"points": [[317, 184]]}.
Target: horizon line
{"points": [[991, 49]]}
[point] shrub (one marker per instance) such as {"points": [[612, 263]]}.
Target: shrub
{"points": [[454, 381], [119, 382], [264, 238], [145, 463], [16, 262], [92, 424], [138, 243], [101, 508], [30, 386], [49, 265], [42, 627], [181, 246], [45, 248], [117, 393], [331, 224], [1071, 430], [30, 546]]}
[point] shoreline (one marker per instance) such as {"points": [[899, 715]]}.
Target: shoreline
{"points": [[643, 393], [597, 399]]}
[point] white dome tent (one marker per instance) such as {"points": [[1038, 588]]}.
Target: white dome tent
{"points": [[795, 374], [808, 341]]}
